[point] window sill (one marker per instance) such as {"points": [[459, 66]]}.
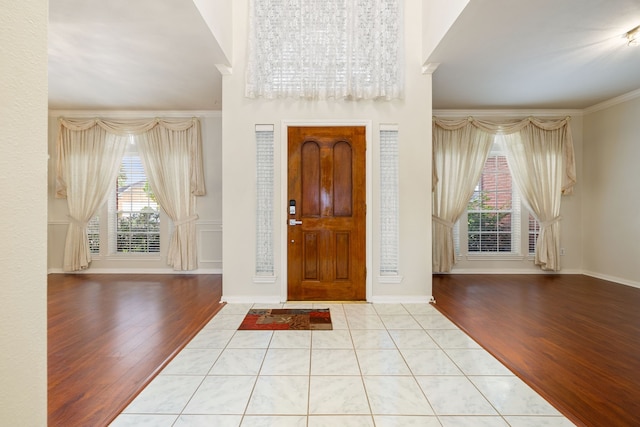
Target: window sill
{"points": [[131, 257], [493, 257]]}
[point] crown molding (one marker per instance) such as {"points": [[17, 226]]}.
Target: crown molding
{"points": [[515, 113], [120, 114], [613, 101]]}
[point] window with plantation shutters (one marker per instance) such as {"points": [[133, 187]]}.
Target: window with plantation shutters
{"points": [[134, 211], [492, 224], [130, 222]]}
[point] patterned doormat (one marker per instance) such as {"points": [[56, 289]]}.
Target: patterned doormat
{"points": [[283, 318]]}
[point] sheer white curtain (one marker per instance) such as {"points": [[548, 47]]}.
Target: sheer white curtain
{"points": [[535, 157], [89, 155], [541, 159], [87, 166], [325, 49], [459, 152], [172, 160]]}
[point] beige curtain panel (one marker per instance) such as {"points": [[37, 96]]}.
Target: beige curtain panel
{"points": [[89, 154], [459, 152], [541, 159]]}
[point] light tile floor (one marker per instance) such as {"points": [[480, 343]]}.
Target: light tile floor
{"points": [[383, 365]]}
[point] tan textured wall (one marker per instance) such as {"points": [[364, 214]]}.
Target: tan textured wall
{"points": [[23, 206]]}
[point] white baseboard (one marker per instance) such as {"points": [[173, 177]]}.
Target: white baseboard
{"points": [[510, 271], [615, 279], [135, 271]]}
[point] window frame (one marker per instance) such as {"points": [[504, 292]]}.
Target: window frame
{"points": [[108, 233], [519, 242]]}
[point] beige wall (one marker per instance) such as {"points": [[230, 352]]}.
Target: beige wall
{"points": [[23, 166], [412, 115], [611, 226], [208, 226]]}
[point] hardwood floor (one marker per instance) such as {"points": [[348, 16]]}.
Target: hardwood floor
{"points": [[574, 339], [108, 335]]}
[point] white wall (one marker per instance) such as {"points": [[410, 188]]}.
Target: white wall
{"points": [[611, 227], [412, 115], [209, 207], [23, 165], [570, 211]]}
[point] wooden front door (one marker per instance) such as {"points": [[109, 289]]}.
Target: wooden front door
{"points": [[326, 214]]}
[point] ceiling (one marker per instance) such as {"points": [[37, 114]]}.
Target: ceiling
{"points": [[132, 55], [506, 54], [499, 54]]}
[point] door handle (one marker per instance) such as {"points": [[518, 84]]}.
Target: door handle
{"points": [[294, 222]]}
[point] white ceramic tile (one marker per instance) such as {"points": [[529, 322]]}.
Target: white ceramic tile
{"points": [[359, 309], [477, 362], [382, 362], [265, 306], [340, 421], [231, 308], [195, 361], [406, 421], [435, 321], [418, 309], [429, 362], [291, 339], [225, 321], [239, 361], [147, 420], [286, 361], [280, 395], [396, 395], [511, 396], [450, 338], [395, 321], [412, 339], [372, 338], [211, 338], [331, 339], [334, 362], [390, 309], [473, 421], [337, 395], [454, 395], [535, 421], [250, 339], [365, 321], [208, 421], [166, 394], [273, 421], [339, 321], [221, 395]]}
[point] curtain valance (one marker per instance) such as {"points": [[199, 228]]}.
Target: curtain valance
{"points": [[509, 127], [127, 127]]}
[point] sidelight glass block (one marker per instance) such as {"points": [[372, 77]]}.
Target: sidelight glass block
{"points": [[389, 202], [264, 205]]}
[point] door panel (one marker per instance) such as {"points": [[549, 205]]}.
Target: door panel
{"points": [[326, 242]]}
